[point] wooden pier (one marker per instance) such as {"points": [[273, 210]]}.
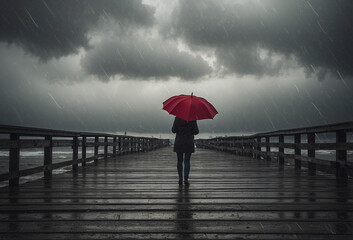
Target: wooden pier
{"points": [[137, 196]]}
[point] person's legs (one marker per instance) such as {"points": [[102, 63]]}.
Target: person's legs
{"points": [[180, 166], [187, 165]]}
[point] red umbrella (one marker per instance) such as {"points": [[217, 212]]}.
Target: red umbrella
{"points": [[189, 107]]}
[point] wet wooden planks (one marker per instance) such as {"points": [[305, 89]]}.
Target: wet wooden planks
{"points": [[137, 197]]}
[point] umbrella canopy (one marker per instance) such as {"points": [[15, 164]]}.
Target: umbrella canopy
{"points": [[189, 107]]}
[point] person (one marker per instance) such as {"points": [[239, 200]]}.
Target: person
{"points": [[184, 146]]}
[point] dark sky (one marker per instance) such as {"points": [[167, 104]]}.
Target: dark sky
{"points": [[109, 65]]}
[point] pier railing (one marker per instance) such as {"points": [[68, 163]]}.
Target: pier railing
{"points": [[14, 139], [298, 146]]}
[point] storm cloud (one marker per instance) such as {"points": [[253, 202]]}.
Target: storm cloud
{"points": [[52, 29], [136, 58], [261, 38], [318, 33]]}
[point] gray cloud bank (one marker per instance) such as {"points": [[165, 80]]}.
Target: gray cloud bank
{"points": [[246, 37], [142, 59], [246, 105], [317, 32], [54, 28]]}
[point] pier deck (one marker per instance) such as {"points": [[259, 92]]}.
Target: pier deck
{"points": [[137, 197]]}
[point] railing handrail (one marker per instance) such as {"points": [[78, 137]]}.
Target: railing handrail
{"points": [[347, 126], [31, 131], [42, 132]]}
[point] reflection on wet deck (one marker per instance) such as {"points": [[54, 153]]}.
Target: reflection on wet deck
{"points": [[138, 197]]}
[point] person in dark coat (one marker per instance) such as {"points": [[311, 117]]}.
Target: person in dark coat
{"points": [[184, 146]]}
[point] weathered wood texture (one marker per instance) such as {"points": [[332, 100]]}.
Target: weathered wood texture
{"points": [[138, 197]]}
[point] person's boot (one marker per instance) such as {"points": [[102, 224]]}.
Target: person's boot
{"points": [[180, 181], [186, 182]]}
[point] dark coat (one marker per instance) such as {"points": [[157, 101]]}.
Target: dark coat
{"points": [[184, 139]]}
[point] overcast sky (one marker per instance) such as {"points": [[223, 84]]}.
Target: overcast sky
{"points": [[107, 66]]}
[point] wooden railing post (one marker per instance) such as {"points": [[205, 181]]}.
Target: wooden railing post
{"points": [[247, 146], [125, 145], [48, 158], [268, 149], [14, 164], [341, 157], [122, 145], [250, 148], [84, 155], [114, 146], [96, 148], [297, 151], [133, 144], [137, 144], [119, 145], [311, 155], [281, 149], [105, 147], [129, 145], [258, 148], [75, 153]]}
